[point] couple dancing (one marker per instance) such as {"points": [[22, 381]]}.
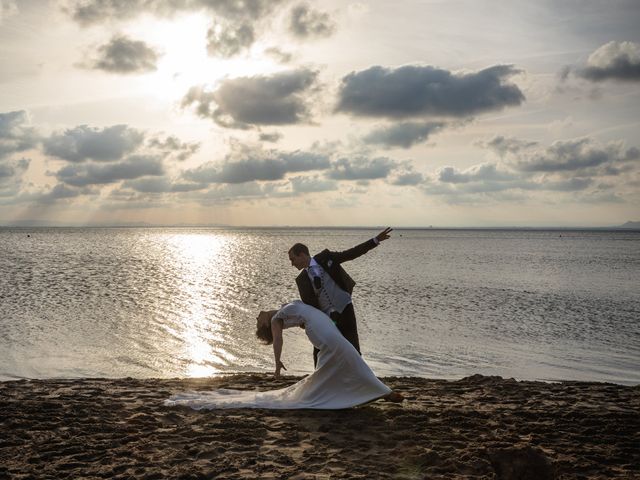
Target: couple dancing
{"points": [[341, 378]]}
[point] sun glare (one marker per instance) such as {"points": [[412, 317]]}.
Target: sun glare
{"points": [[184, 60], [196, 254]]}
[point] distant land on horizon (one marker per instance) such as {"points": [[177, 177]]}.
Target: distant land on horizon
{"points": [[630, 225]]}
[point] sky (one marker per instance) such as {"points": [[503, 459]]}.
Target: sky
{"points": [[456, 113]]}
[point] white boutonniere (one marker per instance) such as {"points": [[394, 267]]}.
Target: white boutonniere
{"points": [[329, 263]]}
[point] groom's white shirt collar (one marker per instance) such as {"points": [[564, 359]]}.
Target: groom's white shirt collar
{"points": [[313, 268]]}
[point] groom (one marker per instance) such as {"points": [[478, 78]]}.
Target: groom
{"points": [[324, 284]]}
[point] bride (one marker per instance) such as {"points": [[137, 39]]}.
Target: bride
{"points": [[341, 379]]}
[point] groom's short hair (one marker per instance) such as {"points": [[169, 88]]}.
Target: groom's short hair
{"points": [[299, 248]]}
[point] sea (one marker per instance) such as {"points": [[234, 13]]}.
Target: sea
{"points": [[160, 302]]}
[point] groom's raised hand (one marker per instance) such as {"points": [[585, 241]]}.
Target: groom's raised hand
{"points": [[383, 235]]}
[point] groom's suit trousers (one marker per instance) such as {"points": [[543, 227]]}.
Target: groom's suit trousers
{"points": [[346, 323]]}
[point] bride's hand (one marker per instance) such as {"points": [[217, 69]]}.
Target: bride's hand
{"points": [[279, 366]]}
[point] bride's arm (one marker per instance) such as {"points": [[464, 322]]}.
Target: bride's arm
{"points": [[276, 330]]}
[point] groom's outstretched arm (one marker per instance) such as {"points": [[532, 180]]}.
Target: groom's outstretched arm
{"points": [[363, 248]]}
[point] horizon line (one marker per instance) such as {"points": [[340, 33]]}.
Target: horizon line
{"points": [[630, 225]]}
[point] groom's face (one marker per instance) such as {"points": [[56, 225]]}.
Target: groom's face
{"points": [[299, 261]]}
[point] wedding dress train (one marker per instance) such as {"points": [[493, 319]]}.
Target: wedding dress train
{"points": [[341, 379]]}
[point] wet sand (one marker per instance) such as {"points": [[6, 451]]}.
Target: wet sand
{"points": [[477, 427]]}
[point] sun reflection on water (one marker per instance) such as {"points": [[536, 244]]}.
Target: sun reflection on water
{"points": [[199, 260]]}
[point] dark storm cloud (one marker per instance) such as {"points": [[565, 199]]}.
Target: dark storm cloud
{"points": [[135, 166], [90, 12], [229, 40], [577, 155], [612, 61], [306, 22], [262, 100], [124, 55], [425, 91], [16, 135], [503, 145], [85, 143], [403, 135], [252, 165], [361, 168], [312, 184]]}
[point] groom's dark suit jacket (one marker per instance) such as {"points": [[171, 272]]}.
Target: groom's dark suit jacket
{"points": [[331, 263]]}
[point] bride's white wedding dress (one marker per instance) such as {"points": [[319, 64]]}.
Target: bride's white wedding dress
{"points": [[341, 379]]}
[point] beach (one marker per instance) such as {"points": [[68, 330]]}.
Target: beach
{"points": [[475, 427]]}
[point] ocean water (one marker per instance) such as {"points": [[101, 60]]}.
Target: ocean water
{"points": [[182, 302]]}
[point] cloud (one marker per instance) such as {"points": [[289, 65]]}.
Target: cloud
{"points": [[237, 22], [483, 179], [407, 179], [306, 22], [247, 165], [577, 155], [16, 134], [612, 61], [227, 193], [425, 91], [270, 137], [580, 168], [305, 184], [570, 185], [173, 147], [11, 172], [12, 183], [124, 55], [161, 185], [7, 9], [504, 145], [404, 176], [91, 12], [61, 192], [11, 168], [6, 170], [279, 55], [261, 100], [478, 173], [135, 166], [403, 135], [85, 143], [227, 41], [361, 168]]}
